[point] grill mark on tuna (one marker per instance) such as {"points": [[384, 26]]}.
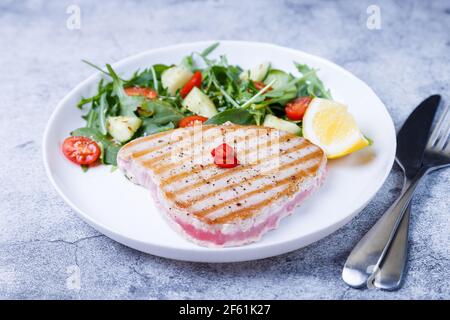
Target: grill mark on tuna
{"points": [[141, 153], [292, 180], [161, 135], [228, 172], [165, 167], [248, 211], [195, 168], [147, 139], [138, 154], [238, 206], [190, 203], [151, 162], [174, 194]]}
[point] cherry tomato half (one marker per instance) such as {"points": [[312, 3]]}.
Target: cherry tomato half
{"points": [[81, 150], [140, 91], [195, 81], [190, 121], [225, 156], [260, 85], [295, 110]]}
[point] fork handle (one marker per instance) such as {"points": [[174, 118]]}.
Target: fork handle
{"points": [[392, 268], [368, 254]]}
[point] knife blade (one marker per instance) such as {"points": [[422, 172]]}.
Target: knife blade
{"points": [[367, 255], [413, 136], [417, 126]]}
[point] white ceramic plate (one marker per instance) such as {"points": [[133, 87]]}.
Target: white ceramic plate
{"points": [[126, 213]]}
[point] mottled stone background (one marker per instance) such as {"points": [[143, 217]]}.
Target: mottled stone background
{"points": [[40, 236]]}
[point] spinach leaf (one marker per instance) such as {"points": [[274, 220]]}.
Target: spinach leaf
{"points": [[109, 147], [236, 116], [163, 117], [149, 126], [163, 112]]}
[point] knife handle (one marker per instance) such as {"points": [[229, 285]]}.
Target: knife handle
{"points": [[367, 255], [392, 268]]}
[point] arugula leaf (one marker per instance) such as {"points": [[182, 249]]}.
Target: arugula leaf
{"points": [[109, 147], [140, 79], [258, 114], [260, 93], [236, 116], [311, 85], [147, 77], [284, 97], [102, 111], [128, 104], [188, 62], [95, 98], [91, 118], [209, 49], [95, 67], [238, 101]]}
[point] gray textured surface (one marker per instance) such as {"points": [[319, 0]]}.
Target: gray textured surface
{"points": [[40, 236]]}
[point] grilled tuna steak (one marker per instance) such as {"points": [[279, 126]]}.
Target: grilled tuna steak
{"points": [[216, 206]]}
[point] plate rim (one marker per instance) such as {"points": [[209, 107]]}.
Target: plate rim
{"points": [[212, 256]]}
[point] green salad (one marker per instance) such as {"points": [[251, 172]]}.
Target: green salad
{"points": [[198, 88]]}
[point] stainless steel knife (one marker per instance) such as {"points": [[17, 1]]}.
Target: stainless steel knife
{"points": [[363, 263], [392, 268]]}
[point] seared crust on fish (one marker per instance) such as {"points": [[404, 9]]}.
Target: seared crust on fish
{"points": [[224, 206]]}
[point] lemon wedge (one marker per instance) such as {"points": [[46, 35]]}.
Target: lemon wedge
{"points": [[329, 125]]}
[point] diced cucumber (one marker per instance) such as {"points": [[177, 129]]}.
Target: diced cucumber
{"points": [[122, 128], [199, 103], [257, 73], [175, 78], [281, 78], [274, 122], [281, 81]]}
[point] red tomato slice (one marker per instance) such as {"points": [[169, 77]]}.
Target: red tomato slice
{"points": [[190, 121], [140, 91], [225, 156], [295, 110], [260, 85], [81, 150], [195, 81]]}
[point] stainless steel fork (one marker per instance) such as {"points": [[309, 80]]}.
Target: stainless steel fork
{"points": [[436, 156]]}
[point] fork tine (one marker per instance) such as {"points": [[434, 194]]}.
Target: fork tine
{"points": [[444, 132], [447, 148], [437, 129], [446, 141]]}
